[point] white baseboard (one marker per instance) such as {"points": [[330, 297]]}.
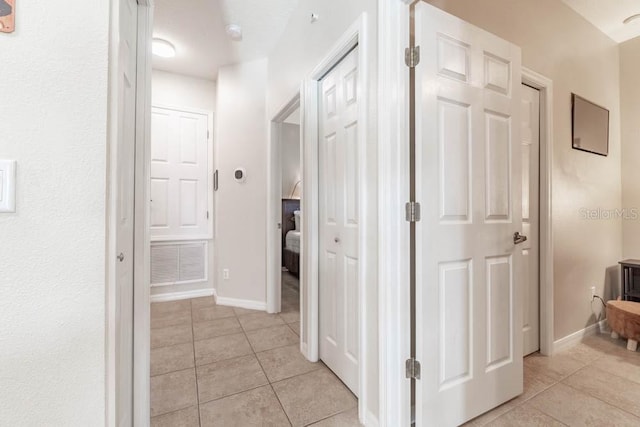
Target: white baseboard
{"points": [[575, 338], [242, 303], [370, 420], [175, 296]]}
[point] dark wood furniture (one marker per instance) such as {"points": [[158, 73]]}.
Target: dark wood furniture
{"points": [[630, 276], [290, 259]]}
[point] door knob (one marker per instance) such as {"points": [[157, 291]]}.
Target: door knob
{"points": [[336, 240], [518, 238], [121, 257]]}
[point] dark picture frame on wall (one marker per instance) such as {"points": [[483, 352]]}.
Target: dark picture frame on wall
{"points": [[589, 126]]}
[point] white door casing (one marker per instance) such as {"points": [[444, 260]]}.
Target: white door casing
{"points": [[468, 181], [339, 212], [180, 168], [274, 208], [124, 210], [530, 140]]}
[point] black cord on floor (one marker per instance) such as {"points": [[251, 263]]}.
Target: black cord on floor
{"points": [[601, 300]]}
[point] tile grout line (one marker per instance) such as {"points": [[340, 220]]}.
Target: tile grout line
{"points": [[603, 401], [195, 367], [177, 410], [268, 379], [281, 405], [611, 373], [335, 415], [562, 381], [236, 393], [244, 331]]}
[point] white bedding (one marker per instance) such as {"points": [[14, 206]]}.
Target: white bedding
{"points": [[292, 241]]}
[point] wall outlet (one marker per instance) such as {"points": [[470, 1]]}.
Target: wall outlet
{"points": [[225, 274], [593, 293]]}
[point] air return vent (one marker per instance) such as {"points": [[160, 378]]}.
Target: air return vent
{"points": [[175, 263]]}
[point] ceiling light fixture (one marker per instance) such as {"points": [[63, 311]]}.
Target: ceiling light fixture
{"points": [[235, 32], [163, 48], [631, 18]]}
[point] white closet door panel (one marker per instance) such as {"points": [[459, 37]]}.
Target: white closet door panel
{"points": [[468, 293], [339, 260], [179, 175], [160, 198]]}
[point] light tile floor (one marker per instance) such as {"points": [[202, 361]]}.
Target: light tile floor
{"points": [[220, 366], [596, 383]]}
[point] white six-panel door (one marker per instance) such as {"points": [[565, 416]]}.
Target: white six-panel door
{"points": [[530, 137], [468, 181], [124, 198], [179, 175], [338, 195]]}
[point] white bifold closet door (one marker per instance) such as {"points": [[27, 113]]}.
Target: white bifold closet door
{"points": [[179, 175], [469, 183], [338, 246]]}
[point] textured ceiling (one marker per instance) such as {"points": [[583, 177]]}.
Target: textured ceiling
{"points": [[608, 15], [197, 29]]}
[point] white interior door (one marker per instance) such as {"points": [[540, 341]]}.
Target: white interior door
{"points": [[179, 175], [338, 246], [468, 181], [530, 137], [124, 197]]}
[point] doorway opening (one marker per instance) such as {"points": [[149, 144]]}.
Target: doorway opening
{"points": [[284, 217], [545, 283], [208, 349]]}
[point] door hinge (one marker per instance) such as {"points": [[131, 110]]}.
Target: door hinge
{"points": [[207, 214], [413, 368], [412, 211], [207, 133], [412, 56]]}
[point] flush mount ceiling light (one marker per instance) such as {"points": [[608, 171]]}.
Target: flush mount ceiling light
{"points": [[631, 18], [234, 31], [163, 48]]}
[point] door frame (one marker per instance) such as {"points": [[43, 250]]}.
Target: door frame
{"points": [[545, 86], [141, 256], [356, 35], [274, 203], [394, 333]]}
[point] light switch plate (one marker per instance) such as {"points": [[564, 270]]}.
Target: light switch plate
{"points": [[7, 186]]}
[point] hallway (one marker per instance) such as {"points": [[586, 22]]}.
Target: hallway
{"points": [[221, 366]]}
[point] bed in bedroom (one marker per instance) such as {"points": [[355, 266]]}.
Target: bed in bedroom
{"points": [[291, 235]]}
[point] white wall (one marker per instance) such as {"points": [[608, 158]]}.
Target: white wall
{"points": [[177, 90], [53, 114], [630, 108], [290, 158], [241, 141], [301, 48], [561, 45]]}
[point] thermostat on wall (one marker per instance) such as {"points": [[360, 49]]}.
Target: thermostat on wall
{"points": [[240, 175]]}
